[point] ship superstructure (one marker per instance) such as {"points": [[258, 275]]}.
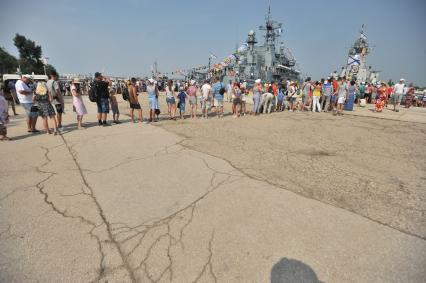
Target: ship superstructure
{"points": [[271, 61], [356, 67]]}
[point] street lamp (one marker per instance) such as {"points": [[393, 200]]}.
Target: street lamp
{"points": [[45, 62]]}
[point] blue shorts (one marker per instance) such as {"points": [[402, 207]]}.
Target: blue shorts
{"points": [[182, 107], [103, 105], [153, 103], [27, 108], [170, 100]]}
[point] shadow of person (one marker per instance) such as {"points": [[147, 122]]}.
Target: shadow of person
{"points": [[293, 271]]}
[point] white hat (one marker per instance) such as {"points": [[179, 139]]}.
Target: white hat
{"points": [[257, 81], [151, 80], [27, 76], [192, 82], [402, 79]]}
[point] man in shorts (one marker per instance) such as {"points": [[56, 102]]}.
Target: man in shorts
{"points": [[25, 96], [206, 91], [134, 101], [218, 90], [398, 92], [102, 102], [55, 92]]}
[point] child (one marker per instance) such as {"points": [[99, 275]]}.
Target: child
{"points": [[4, 117], [44, 100], [181, 97], [114, 106]]}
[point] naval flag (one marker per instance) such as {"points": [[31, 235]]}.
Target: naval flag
{"points": [[354, 59]]}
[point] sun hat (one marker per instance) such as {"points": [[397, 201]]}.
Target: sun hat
{"points": [[76, 81], [192, 82], [27, 76], [402, 79], [257, 81]]}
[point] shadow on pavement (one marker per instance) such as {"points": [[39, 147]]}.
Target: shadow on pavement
{"points": [[293, 271]]}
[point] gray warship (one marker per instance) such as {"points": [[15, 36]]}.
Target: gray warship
{"points": [[271, 61], [356, 67]]}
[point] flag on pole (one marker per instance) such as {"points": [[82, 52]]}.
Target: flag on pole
{"points": [[354, 59], [212, 55]]}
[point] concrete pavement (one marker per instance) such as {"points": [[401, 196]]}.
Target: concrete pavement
{"points": [[134, 203]]}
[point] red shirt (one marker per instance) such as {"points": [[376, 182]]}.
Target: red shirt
{"points": [[335, 86], [275, 89]]}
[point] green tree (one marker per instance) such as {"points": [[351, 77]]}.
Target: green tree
{"points": [[29, 55], [8, 63], [50, 69]]}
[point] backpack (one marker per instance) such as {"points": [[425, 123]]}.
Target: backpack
{"points": [[93, 93], [125, 93], [222, 90]]}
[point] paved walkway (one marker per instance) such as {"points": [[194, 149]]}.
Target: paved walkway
{"points": [[131, 203]]}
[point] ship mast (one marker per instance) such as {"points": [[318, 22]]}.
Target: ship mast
{"points": [[272, 28]]}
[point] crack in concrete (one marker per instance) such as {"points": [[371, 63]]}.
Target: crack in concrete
{"points": [[40, 186], [7, 231], [131, 160], [6, 196], [104, 220], [208, 265], [143, 229]]}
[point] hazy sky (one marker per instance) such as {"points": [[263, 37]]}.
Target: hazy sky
{"points": [[126, 37]]}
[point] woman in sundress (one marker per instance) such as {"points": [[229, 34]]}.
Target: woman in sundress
{"points": [[43, 100], [77, 101]]}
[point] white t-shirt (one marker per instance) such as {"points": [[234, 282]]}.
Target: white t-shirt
{"points": [[169, 92], [20, 85], [399, 88], [205, 90]]}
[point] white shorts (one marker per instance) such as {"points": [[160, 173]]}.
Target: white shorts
{"points": [[218, 103], [341, 100]]}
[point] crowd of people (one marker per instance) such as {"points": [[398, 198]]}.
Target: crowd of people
{"points": [[46, 98]]}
